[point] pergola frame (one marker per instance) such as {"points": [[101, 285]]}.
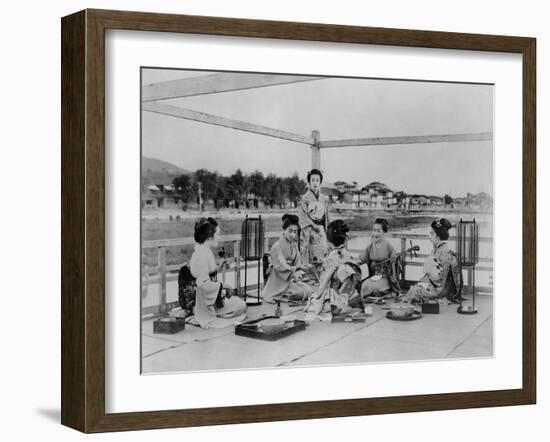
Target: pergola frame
{"points": [[153, 94]]}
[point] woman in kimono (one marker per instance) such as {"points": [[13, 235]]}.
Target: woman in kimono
{"points": [[313, 215], [436, 266], [214, 305], [340, 278], [285, 280], [377, 251]]}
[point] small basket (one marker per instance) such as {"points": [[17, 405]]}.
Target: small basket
{"points": [[168, 325], [431, 308]]}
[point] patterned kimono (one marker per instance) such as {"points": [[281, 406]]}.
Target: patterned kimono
{"points": [[281, 284], [335, 272], [203, 268], [374, 253], [436, 270], [313, 213]]}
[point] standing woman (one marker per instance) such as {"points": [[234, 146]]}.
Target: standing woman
{"points": [[285, 279], [377, 251], [313, 215], [436, 266], [214, 305]]}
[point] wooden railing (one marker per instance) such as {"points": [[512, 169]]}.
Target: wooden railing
{"points": [[163, 273]]}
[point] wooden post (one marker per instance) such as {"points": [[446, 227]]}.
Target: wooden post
{"points": [[162, 278], [144, 281], [237, 254], [200, 196], [315, 150], [224, 271], [403, 248], [266, 245], [261, 262]]}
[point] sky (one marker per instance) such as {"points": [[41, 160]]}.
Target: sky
{"points": [[338, 108]]}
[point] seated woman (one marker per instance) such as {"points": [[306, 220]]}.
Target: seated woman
{"points": [[377, 251], [214, 305], [436, 266], [340, 278], [285, 280]]}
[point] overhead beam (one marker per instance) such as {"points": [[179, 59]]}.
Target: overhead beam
{"points": [[415, 139], [188, 114], [215, 83], [315, 151]]}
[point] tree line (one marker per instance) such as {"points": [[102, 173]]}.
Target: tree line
{"points": [[271, 189]]}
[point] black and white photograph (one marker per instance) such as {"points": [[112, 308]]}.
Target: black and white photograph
{"points": [[292, 220], [240, 221]]}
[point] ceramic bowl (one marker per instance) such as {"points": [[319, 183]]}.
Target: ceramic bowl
{"points": [[402, 309], [272, 325]]}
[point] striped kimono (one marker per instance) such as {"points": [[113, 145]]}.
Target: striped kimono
{"points": [[313, 214]]}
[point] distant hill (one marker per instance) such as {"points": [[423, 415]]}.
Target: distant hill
{"points": [[154, 165], [154, 171]]}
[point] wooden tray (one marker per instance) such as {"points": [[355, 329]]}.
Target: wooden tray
{"points": [[344, 318], [251, 329]]}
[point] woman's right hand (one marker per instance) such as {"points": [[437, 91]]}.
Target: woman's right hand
{"points": [[223, 264]]}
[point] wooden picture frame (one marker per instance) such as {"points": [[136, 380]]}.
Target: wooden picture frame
{"points": [[83, 220]]}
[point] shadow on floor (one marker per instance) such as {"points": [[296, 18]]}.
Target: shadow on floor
{"points": [[51, 414]]}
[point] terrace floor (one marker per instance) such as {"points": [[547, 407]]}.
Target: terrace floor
{"points": [[446, 335]]}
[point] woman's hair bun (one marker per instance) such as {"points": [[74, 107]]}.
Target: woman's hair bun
{"points": [[383, 223], [339, 226], [337, 231], [441, 228], [290, 220], [446, 223], [204, 229]]}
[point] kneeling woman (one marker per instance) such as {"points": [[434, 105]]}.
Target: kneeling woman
{"points": [[377, 251], [284, 282], [340, 278], [214, 305], [436, 266]]}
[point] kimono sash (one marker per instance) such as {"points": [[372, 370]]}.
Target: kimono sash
{"points": [[393, 272], [454, 283]]}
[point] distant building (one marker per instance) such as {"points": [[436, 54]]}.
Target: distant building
{"points": [[459, 202], [436, 200], [340, 186], [332, 191], [377, 195], [380, 195], [480, 200], [159, 195], [423, 200], [347, 197]]}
